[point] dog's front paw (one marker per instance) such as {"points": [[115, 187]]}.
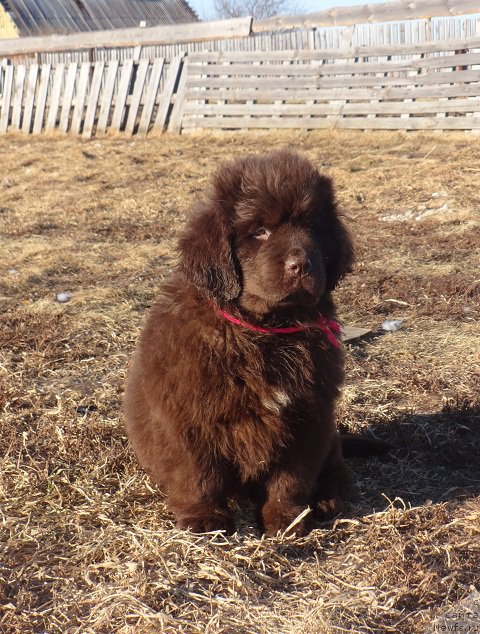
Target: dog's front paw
{"points": [[213, 521], [327, 510], [285, 518]]}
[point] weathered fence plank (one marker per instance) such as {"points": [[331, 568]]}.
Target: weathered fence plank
{"points": [[175, 123], [269, 69], [437, 46], [92, 104], [151, 95], [173, 33], [20, 73], [361, 123], [166, 98], [80, 96], [30, 98], [327, 94], [68, 96], [361, 81], [136, 95], [41, 99], [333, 109], [122, 94], [107, 96], [6, 98], [55, 97]]}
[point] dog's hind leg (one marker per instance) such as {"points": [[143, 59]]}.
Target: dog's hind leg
{"points": [[333, 484]]}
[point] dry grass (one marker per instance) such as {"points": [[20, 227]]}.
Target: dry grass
{"points": [[86, 546]]}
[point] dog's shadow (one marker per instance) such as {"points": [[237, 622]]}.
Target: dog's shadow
{"points": [[434, 459]]}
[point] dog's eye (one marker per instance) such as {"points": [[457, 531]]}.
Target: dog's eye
{"points": [[262, 234]]}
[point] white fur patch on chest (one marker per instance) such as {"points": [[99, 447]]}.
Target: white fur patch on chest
{"points": [[278, 401]]}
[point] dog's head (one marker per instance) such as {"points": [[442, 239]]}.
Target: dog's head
{"points": [[268, 236]]}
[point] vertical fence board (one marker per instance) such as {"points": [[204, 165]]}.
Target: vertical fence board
{"points": [[166, 96], [93, 100], [41, 99], [107, 96], [55, 94], [175, 123], [121, 98], [20, 73], [151, 95], [30, 98], [80, 96], [137, 95], [6, 98], [68, 96]]}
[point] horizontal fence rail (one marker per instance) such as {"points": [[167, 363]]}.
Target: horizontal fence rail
{"points": [[190, 32], [368, 13]]}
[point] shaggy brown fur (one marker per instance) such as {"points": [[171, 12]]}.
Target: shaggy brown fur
{"points": [[215, 410]]}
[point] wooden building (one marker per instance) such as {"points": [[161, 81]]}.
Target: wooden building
{"points": [[22, 18]]}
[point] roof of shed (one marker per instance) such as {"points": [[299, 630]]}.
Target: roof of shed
{"points": [[46, 17]]}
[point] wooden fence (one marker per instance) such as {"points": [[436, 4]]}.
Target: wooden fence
{"points": [[133, 96], [391, 23], [325, 70], [303, 36], [434, 85]]}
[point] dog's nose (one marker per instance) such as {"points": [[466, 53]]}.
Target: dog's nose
{"points": [[297, 263]]}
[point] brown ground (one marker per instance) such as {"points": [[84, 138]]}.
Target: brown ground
{"points": [[86, 546]]}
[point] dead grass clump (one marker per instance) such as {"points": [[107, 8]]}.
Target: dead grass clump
{"points": [[86, 545]]}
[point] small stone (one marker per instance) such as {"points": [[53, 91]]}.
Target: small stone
{"points": [[63, 297], [86, 409], [392, 325]]}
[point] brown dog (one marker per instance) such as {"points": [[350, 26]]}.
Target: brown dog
{"points": [[235, 377]]}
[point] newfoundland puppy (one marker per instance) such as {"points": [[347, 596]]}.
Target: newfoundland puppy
{"points": [[232, 387]]}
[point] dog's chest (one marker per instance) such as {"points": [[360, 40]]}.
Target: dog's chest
{"points": [[283, 372], [275, 400], [275, 392]]}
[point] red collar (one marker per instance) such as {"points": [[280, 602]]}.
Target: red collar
{"points": [[329, 327]]}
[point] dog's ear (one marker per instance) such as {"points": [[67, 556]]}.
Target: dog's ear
{"points": [[339, 260], [207, 256], [335, 238]]}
